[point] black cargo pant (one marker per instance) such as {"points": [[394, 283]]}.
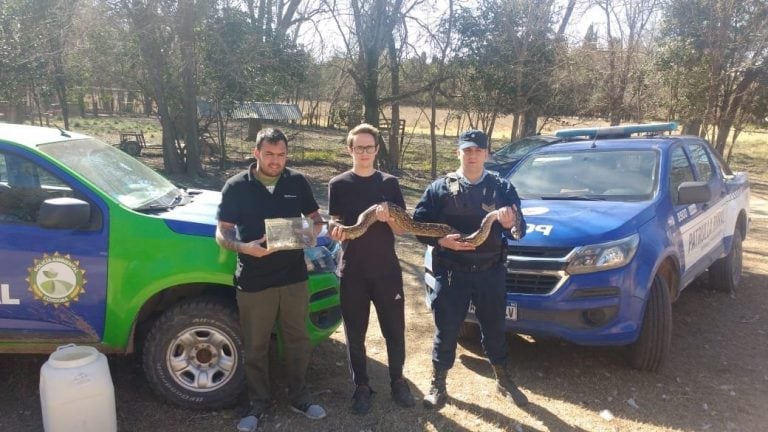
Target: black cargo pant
{"points": [[454, 288], [386, 294]]}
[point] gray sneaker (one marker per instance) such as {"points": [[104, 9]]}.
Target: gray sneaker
{"points": [[249, 423], [310, 410]]}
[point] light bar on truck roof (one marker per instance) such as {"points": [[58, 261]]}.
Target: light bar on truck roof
{"points": [[617, 131]]}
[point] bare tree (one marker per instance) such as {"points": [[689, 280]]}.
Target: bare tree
{"points": [[626, 23], [365, 39]]}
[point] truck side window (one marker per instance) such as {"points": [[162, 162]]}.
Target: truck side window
{"points": [[680, 172], [23, 188], [700, 158]]}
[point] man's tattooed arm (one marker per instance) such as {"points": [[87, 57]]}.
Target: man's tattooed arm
{"points": [[226, 236]]}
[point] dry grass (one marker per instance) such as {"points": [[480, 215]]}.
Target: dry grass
{"points": [[750, 154]]}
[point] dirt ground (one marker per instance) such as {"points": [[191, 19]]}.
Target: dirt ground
{"points": [[717, 379]]}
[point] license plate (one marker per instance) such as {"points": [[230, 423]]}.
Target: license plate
{"points": [[511, 312]]}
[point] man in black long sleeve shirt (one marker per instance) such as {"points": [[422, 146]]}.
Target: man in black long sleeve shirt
{"points": [[369, 269]]}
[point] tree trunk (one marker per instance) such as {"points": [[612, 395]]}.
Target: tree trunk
{"points": [[186, 31], [370, 92], [566, 18], [17, 113], [60, 84], [254, 126], [394, 124], [94, 104], [81, 103], [692, 127], [370, 96], [491, 125], [515, 132], [432, 137], [147, 104], [530, 120], [221, 128]]}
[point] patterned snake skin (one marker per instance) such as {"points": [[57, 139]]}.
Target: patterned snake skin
{"points": [[405, 222]]}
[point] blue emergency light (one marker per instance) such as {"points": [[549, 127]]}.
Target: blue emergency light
{"points": [[617, 131]]}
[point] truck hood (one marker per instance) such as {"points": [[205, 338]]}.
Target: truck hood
{"points": [[556, 223], [196, 217]]}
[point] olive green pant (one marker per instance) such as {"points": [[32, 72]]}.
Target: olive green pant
{"points": [[287, 305]]}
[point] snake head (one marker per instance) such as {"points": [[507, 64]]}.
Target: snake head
{"points": [[517, 226]]}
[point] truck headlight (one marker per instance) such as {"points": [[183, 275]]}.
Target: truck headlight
{"points": [[604, 256]]}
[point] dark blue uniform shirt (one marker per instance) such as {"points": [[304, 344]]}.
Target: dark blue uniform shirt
{"points": [[454, 201]]}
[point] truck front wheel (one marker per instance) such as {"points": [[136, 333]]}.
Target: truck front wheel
{"points": [[650, 351], [193, 354]]}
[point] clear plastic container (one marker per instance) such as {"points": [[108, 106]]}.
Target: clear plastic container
{"points": [[290, 233]]}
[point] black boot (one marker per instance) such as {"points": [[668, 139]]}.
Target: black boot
{"points": [[507, 387], [437, 395]]}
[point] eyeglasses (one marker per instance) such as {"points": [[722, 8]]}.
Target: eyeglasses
{"points": [[364, 149]]}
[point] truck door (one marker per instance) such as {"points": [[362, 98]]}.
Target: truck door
{"points": [[710, 228], [52, 281]]}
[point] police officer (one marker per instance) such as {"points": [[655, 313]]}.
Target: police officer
{"points": [[463, 272]]}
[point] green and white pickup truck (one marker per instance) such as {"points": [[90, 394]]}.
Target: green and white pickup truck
{"points": [[97, 248]]}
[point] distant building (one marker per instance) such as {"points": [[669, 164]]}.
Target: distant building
{"points": [[255, 113]]}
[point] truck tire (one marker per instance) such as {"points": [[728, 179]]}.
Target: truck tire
{"points": [[650, 351], [725, 273], [193, 354]]}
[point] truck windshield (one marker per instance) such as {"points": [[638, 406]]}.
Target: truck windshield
{"points": [[518, 149], [615, 175], [117, 174]]}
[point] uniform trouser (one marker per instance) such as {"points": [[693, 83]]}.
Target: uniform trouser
{"points": [[386, 293], [258, 313], [450, 301]]}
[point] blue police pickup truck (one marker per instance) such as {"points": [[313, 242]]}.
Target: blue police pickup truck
{"points": [[618, 226]]}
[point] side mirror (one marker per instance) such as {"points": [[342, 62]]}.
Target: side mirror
{"points": [[64, 213], [693, 193]]}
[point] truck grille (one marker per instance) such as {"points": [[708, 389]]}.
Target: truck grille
{"points": [[531, 283], [538, 252], [536, 270]]}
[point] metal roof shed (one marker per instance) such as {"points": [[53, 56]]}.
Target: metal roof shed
{"points": [[257, 112], [254, 110], [266, 111]]}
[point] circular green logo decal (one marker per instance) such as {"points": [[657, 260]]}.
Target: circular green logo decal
{"points": [[56, 279]]}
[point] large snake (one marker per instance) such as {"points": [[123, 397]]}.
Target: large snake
{"points": [[406, 223]]}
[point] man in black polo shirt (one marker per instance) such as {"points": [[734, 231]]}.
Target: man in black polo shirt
{"points": [[369, 269], [271, 285]]}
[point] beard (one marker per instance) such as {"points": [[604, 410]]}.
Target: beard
{"points": [[271, 170]]}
